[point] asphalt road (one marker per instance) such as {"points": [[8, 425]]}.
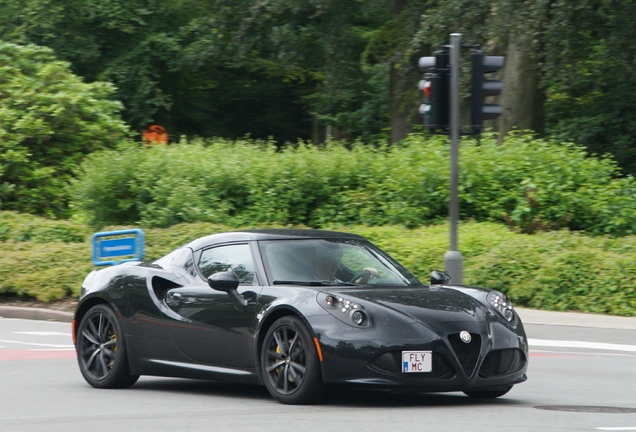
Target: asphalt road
{"points": [[582, 376]]}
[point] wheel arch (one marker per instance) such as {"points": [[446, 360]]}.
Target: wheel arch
{"points": [[269, 320], [83, 308]]}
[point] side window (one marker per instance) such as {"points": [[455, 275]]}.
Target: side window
{"points": [[234, 258]]}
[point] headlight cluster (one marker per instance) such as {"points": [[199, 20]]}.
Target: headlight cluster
{"points": [[344, 308], [503, 305]]}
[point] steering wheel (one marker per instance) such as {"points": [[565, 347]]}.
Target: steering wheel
{"points": [[364, 276]]}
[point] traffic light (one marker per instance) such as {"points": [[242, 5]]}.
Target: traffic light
{"points": [[435, 87], [482, 88]]}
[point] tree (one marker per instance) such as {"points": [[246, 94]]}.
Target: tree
{"points": [[316, 46], [501, 27], [569, 65], [49, 120], [131, 43], [166, 66], [392, 44], [297, 69], [590, 74]]}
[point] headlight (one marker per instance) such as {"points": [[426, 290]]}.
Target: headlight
{"points": [[358, 317], [344, 309], [503, 305]]}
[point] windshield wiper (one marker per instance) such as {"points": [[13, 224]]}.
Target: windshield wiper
{"points": [[313, 283]]}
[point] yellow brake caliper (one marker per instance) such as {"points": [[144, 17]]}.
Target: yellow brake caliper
{"points": [[113, 338]]}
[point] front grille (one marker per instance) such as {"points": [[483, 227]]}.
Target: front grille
{"points": [[502, 362], [467, 353], [391, 362]]}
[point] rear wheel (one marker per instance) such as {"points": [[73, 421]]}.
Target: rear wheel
{"points": [[488, 394], [101, 350], [289, 363]]}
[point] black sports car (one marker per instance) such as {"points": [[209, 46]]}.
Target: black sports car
{"points": [[297, 311]]}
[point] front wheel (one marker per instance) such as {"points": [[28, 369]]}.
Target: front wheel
{"points": [[488, 394], [289, 363], [101, 351]]}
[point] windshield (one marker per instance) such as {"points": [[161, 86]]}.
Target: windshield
{"points": [[313, 261]]}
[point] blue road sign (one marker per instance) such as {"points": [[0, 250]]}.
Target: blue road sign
{"points": [[116, 247]]}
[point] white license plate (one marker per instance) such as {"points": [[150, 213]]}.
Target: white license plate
{"points": [[417, 361]]}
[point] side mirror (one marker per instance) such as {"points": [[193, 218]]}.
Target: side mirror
{"points": [[439, 277], [228, 282]]}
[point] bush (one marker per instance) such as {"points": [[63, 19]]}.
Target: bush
{"points": [[531, 185], [18, 227], [43, 271], [561, 271], [535, 185], [49, 120]]}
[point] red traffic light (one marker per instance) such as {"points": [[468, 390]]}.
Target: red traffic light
{"points": [[426, 87]]}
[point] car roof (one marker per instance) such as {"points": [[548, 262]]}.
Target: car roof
{"points": [[269, 234]]}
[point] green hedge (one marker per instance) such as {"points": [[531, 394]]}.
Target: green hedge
{"points": [[19, 227], [553, 271], [529, 184]]}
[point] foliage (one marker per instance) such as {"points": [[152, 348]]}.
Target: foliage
{"points": [[589, 71], [583, 51], [221, 68], [530, 184], [553, 271], [316, 46], [561, 271], [535, 185], [127, 42], [46, 272], [49, 119], [290, 69], [18, 227]]}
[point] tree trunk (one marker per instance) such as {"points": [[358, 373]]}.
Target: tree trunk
{"points": [[402, 114], [521, 98]]}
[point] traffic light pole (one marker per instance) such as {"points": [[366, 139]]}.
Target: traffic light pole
{"points": [[441, 116], [453, 260]]}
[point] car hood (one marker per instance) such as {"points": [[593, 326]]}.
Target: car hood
{"points": [[427, 304]]}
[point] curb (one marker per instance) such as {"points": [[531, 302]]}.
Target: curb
{"points": [[35, 313]]}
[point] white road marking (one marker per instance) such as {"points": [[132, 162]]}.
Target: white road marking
{"points": [[52, 349], [38, 344], [580, 344], [43, 333], [626, 428]]}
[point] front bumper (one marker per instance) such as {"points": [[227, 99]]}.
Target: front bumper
{"points": [[496, 357]]}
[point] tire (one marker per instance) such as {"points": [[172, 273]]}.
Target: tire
{"points": [[101, 350], [488, 394], [289, 363]]}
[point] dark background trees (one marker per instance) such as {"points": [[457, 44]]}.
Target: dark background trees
{"points": [[345, 69]]}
